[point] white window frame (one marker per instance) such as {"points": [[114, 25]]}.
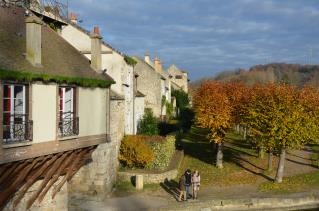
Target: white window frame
{"points": [[12, 110]]}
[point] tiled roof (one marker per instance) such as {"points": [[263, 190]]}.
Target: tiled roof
{"points": [[59, 58]]}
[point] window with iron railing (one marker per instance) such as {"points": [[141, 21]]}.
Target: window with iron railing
{"points": [[16, 125], [68, 121]]}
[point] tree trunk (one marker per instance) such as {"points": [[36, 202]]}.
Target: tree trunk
{"points": [[281, 166], [269, 161], [261, 152], [245, 132], [219, 157]]}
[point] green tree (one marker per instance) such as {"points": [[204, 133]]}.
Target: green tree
{"points": [[148, 125]]}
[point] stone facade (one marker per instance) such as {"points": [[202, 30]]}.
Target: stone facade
{"points": [[60, 201], [179, 77], [96, 179], [149, 83]]}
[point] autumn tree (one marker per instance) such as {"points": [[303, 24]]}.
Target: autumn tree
{"points": [[280, 116], [213, 111]]}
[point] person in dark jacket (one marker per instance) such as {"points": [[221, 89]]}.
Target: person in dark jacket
{"points": [[188, 182], [182, 192]]}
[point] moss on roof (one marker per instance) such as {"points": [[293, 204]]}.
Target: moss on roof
{"points": [[18, 76]]}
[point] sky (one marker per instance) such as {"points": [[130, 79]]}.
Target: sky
{"points": [[205, 37]]}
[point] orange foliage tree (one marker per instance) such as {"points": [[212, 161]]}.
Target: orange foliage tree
{"points": [[282, 117], [213, 111]]}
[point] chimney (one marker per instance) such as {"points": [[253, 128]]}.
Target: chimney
{"points": [[73, 18], [157, 65], [33, 40], [147, 58], [96, 56]]}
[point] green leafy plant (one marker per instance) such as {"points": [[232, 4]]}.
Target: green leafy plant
{"points": [[130, 61], [182, 100], [169, 110], [148, 125], [29, 77]]}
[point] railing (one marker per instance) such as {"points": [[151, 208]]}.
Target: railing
{"points": [[17, 129], [68, 125]]}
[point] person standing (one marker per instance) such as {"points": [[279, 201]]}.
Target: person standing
{"points": [[195, 183], [182, 192], [188, 182]]}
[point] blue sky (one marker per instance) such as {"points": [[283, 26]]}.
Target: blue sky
{"points": [[208, 36]]}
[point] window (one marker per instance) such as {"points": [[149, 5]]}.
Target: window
{"points": [[68, 122], [16, 126], [178, 77]]}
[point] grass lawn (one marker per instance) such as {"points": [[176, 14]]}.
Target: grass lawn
{"points": [[199, 156], [315, 155], [292, 184]]}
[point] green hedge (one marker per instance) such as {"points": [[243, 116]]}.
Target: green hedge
{"points": [[136, 148], [29, 77], [163, 152]]}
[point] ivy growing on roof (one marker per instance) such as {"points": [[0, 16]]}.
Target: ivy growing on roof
{"points": [[28, 77], [130, 61]]}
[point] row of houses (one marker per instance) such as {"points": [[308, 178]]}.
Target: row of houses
{"points": [[67, 100]]}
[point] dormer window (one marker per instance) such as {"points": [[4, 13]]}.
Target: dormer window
{"points": [[16, 124], [68, 121]]}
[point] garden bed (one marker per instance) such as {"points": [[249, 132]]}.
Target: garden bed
{"points": [[154, 175]]}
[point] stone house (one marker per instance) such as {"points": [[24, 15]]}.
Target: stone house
{"points": [[159, 83], [152, 84], [49, 131], [112, 62], [179, 77]]}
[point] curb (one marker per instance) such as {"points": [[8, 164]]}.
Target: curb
{"points": [[309, 201]]}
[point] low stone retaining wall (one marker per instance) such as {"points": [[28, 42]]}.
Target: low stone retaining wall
{"points": [[150, 177], [295, 202]]}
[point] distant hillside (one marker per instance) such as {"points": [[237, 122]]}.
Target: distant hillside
{"points": [[299, 75]]}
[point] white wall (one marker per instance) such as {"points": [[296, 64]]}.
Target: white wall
{"points": [[92, 111], [139, 111], [78, 39], [116, 68], [44, 108]]}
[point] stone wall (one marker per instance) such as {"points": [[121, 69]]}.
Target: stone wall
{"points": [[97, 178], [150, 177], [60, 201]]}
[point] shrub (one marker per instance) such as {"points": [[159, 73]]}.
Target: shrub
{"points": [[168, 127], [148, 125], [163, 150], [186, 118], [135, 153]]}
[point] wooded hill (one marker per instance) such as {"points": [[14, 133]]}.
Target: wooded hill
{"points": [[296, 74]]}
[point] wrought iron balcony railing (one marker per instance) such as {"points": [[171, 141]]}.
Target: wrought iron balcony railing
{"points": [[68, 125], [17, 129]]}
